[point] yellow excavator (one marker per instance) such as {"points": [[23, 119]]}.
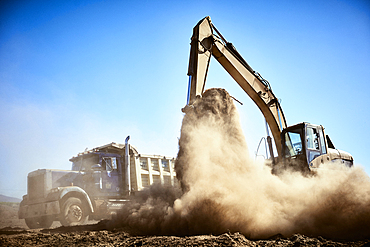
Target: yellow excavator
{"points": [[303, 146]]}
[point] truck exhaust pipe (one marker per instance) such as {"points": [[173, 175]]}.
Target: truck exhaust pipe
{"points": [[127, 163]]}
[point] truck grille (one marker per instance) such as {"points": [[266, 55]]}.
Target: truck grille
{"points": [[36, 186]]}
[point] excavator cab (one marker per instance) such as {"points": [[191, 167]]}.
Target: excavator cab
{"points": [[303, 145]]}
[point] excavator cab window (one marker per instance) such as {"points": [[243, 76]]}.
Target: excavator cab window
{"points": [[312, 139], [313, 146], [322, 142], [315, 142], [303, 143], [293, 143], [294, 148]]}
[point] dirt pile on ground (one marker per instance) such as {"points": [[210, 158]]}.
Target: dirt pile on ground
{"points": [[97, 235]]}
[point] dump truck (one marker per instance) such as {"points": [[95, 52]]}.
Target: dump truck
{"points": [[302, 146], [102, 180]]}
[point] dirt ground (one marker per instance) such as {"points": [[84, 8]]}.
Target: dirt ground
{"points": [[14, 232]]}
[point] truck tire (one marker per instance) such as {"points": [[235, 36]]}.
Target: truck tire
{"points": [[39, 222], [73, 212]]}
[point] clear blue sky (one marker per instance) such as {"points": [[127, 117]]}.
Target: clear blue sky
{"points": [[77, 74]]}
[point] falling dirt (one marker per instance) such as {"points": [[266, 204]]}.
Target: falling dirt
{"points": [[227, 198]]}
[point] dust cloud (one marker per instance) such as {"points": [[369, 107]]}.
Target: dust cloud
{"points": [[224, 190]]}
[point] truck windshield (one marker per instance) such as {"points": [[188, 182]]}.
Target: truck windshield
{"points": [[85, 163], [293, 143]]}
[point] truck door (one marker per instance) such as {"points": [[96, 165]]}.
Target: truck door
{"points": [[110, 175]]}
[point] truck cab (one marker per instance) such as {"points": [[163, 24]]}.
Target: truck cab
{"points": [[102, 180], [94, 187], [104, 174]]}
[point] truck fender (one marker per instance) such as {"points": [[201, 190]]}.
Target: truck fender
{"points": [[76, 190]]}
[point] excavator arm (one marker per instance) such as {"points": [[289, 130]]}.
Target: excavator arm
{"points": [[206, 42]]}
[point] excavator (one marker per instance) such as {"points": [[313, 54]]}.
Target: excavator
{"points": [[303, 146]]}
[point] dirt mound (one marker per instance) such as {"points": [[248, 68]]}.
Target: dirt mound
{"points": [[88, 236]]}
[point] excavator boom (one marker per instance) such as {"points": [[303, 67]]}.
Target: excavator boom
{"points": [[206, 42]]}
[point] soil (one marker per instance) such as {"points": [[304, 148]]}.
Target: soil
{"points": [[14, 232]]}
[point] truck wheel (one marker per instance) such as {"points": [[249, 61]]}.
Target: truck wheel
{"points": [[39, 222], [73, 212]]}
